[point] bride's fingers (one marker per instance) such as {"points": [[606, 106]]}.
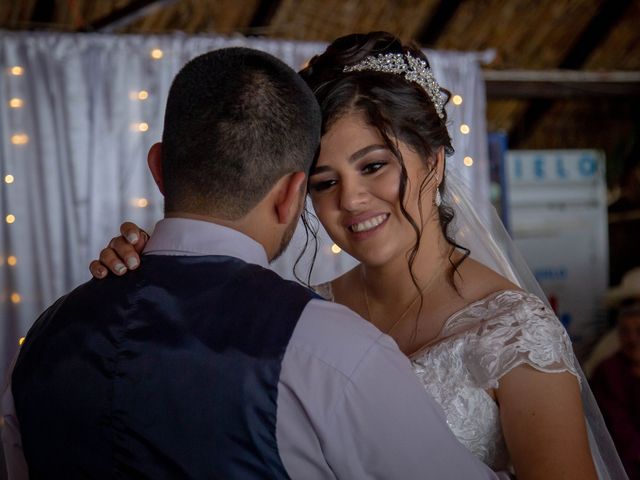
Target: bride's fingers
{"points": [[142, 241], [132, 233], [97, 269], [120, 249], [110, 259], [117, 257]]}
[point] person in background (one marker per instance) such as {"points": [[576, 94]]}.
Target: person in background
{"points": [[616, 380]]}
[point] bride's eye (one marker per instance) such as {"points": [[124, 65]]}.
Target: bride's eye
{"points": [[372, 167], [321, 185]]}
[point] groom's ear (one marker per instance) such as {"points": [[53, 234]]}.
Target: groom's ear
{"points": [[154, 160], [290, 196]]}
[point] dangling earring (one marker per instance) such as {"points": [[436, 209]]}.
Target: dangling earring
{"points": [[438, 200]]}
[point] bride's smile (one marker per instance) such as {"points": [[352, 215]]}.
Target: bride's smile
{"points": [[360, 225]]}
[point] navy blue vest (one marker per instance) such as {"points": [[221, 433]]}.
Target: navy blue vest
{"points": [[168, 372]]}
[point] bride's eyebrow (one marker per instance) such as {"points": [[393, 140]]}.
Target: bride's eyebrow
{"points": [[353, 158], [364, 151]]}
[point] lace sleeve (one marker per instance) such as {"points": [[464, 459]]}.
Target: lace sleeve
{"points": [[518, 329]]}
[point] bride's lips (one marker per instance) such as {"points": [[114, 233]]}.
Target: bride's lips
{"points": [[363, 226]]}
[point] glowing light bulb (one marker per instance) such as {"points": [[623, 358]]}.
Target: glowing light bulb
{"points": [[21, 341], [16, 298], [464, 128], [20, 139], [140, 202], [12, 260], [468, 161], [8, 179], [335, 249], [157, 54], [140, 127], [10, 218], [16, 102], [457, 99], [16, 70], [143, 95]]}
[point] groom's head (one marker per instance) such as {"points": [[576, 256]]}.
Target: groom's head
{"points": [[239, 123], [236, 121]]}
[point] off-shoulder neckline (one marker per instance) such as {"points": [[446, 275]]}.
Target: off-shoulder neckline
{"points": [[451, 318], [450, 321]]}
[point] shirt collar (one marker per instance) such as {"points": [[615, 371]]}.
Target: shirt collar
{"points": [[184, 236]]}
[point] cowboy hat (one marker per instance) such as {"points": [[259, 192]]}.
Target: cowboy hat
{"points": [[628, 289]]}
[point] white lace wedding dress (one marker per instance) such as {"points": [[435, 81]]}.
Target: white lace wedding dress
{"points": [[476, 347]]}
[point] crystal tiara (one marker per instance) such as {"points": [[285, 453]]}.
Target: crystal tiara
{"points": [[414, 70]]}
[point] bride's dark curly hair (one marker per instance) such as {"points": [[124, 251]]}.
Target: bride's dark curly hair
{"points": [[397, 108]]}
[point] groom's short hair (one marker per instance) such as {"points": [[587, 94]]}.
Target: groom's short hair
{"points": [[236, 121]]}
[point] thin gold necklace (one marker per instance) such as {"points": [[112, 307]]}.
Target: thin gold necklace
{"points": [[406, 310]]}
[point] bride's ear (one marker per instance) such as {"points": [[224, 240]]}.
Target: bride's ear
{"points": [[154, 160]]}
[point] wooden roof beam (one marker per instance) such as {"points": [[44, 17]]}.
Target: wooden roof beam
{"points": [[525, 84], [600, 26], [43, 12], [262, 17], [438, 21], [126, 15]]}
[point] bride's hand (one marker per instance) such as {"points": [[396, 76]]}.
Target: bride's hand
{"points": [[122, 253]]}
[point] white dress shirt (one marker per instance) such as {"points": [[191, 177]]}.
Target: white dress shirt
{"points": [[349, 405]]}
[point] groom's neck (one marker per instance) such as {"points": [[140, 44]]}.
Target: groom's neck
{"points": [[254, 228]]}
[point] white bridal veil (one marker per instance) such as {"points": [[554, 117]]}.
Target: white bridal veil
{"points": [[491, 245]]}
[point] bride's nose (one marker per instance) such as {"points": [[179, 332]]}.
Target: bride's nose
{"points": [[353, 195]]}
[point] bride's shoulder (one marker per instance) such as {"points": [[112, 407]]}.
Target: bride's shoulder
{"points": [[494, 300], [476, 281]]}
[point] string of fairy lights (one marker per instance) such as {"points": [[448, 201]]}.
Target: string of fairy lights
{"points": [[464, 128], [20, 139]]}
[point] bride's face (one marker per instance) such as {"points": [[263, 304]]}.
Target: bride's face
{"points": [[355, 192]]}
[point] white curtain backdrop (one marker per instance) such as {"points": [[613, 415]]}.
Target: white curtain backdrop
{"points": [[78, 114]]}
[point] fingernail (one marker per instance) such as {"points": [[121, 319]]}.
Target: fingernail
{"points": [[132, 262], [120, 268], [101, 272], [132, 238]]}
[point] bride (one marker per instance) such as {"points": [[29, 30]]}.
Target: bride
{"points": [[491, 353]]}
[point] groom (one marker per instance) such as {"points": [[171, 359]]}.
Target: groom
{"points": [[203, 363]]}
